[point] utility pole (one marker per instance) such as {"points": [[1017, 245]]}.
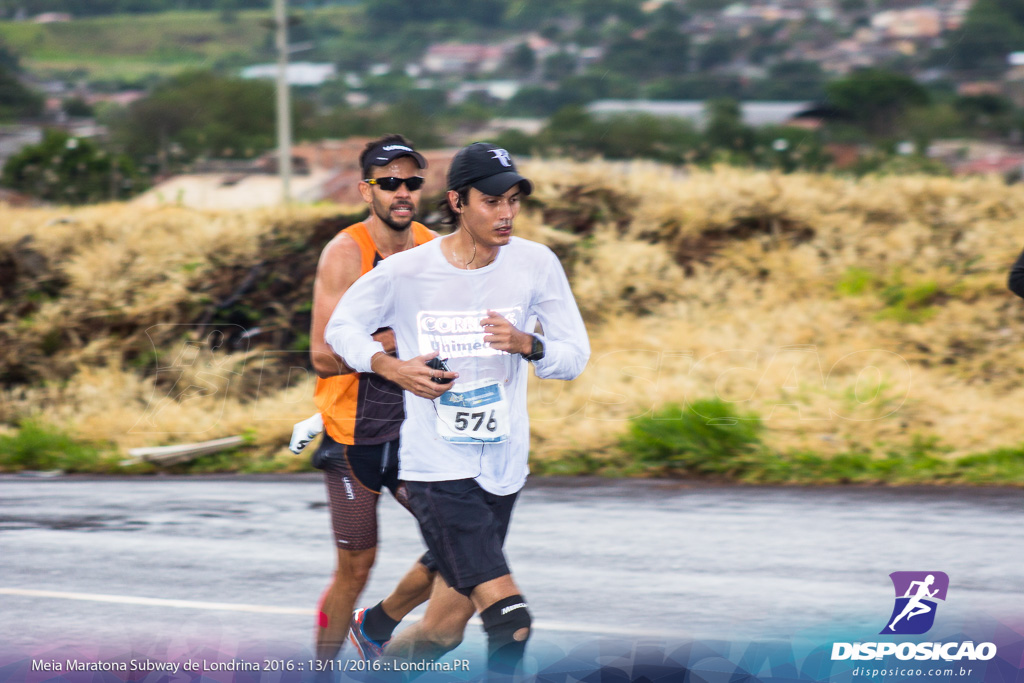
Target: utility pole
{"points": [[284, 111]]}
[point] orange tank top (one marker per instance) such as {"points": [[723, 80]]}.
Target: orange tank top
{"points": [[362, 408]]}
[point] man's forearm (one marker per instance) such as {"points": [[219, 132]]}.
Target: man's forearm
{"points": [[353, 345], [385, 365], [326, 363]]}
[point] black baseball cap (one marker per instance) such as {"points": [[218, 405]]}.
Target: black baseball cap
{"points": [[386, 152], [486, 167]]}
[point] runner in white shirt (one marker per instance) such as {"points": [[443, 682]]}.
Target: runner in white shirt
{"points": [[472, 298]]}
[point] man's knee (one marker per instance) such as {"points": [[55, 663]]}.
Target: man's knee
{"points": [[507, 624], [354, 567], [446, 640], [447, 632]]}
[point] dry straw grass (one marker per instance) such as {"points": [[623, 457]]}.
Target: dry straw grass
{"points": [[751, 309], [847, 314]]}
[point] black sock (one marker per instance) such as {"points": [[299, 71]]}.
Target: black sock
{"points": [[377, 625]]}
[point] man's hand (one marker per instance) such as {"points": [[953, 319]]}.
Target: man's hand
{"points": [[304, 432], [386, 336], [503, 335], [413, 375]]}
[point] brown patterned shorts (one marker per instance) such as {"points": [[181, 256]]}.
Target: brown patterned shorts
{"points": [[355, 477]]}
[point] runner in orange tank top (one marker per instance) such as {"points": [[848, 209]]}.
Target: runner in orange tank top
{"points": [[359, 408], [361, 412]]}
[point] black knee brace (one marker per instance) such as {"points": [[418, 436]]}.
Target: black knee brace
{"points": [[501, 622]]}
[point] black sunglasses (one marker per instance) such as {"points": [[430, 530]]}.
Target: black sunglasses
{"points": [[391, 184]]}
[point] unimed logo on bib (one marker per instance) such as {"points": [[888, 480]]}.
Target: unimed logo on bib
{"points": [[458, 334], [917, 598]]}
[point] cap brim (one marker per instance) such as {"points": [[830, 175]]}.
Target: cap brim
{"points": [[498, 184], [416, 156]]}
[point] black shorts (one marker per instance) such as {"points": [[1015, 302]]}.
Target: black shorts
{"points": [[464, 528], [355, 477]]}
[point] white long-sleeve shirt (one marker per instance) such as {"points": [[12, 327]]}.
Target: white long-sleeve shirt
{"points": [[433, 306]]}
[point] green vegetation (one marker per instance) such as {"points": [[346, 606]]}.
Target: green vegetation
{"points": [[40, 446], [16, 101], [67, 170], [132, 49], [875, 99], [643, 54], [110, 313], [411, 114], [574, 132], [662, 52], [992, 29], [856, 281], [1003, 465], [901, 300], [710, 439], [910, 303], [86, 8], [199, 114]]}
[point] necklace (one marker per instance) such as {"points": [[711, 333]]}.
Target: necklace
{"points": [[465, 265]]}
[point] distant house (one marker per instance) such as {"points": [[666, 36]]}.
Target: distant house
{"points": [[848, 58], [591, 55], [341, 159], [497, 126], [327, 170], [975, 88], [17, 199], [297, 73], [1014, 85], [463, 58], [649, 6], [232, 189], [51, 18], [498, 90], [15, 137], [979, 157], [954, 151], [843, 155], [1006, 165], [955, 14], [913, 23], [753, 113], [765, 13], [123, 98]]}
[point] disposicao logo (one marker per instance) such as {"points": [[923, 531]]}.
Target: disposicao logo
{"points": [[916, 596], [913, 614]]}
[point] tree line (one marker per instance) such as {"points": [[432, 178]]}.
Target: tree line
{"points": [[94, 8], [16, 100], [201, 115]]}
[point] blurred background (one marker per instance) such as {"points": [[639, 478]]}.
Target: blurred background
{"points": [[152, 89], [788, 222]]}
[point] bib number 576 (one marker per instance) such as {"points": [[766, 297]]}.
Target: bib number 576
{"points": [[464, 418]]}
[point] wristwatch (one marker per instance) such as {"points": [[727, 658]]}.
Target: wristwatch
{"points": [[536, 351]]}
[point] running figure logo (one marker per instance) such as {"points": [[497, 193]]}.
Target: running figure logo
{"points": [[916, 593]]}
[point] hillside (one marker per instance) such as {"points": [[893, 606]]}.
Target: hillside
{"points": [[129, 47], [86, 8], [864, 324]]}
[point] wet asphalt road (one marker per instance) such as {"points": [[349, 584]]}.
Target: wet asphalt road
{"points": [[634, 559]]}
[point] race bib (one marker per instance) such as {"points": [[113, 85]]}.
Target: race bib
{"points": [[474, 412]]}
